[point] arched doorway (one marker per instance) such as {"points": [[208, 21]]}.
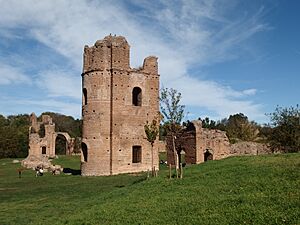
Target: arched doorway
{"points": [[61, 145], [84, 152], [208, 155]]}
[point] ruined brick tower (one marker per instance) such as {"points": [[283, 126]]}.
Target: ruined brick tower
{"points": [[116, 103]]}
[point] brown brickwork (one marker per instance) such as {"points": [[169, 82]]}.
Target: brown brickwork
{"points": [[116, 103], [198, 144], [42, 138]]}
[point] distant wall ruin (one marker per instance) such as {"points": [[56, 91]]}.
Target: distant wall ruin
{"points": [[198, 144], [42, 138]]}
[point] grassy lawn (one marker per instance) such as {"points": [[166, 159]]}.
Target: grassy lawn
{"points": [[237, 190]]}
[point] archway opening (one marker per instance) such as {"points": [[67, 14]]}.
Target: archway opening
{"points": [[84, 92], [44, 150], [137, 96], [208, 156], [84, 151], [61, 145]]}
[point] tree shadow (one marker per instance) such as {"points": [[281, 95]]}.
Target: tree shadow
{"points": [[72, 171]]}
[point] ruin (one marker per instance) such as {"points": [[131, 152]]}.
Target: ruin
{"points": [[196, 144], [42, 138], [117, 101]]}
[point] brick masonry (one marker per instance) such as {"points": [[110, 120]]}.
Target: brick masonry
{"points": [[117, 101]]}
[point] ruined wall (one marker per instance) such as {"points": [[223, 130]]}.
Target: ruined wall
{"points": [[195, 141], [198, 143], [42, 137], [113, 120], [249, 148]]}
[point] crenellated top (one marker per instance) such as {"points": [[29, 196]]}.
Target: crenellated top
{"points": [[110, 53], [113, 52]]}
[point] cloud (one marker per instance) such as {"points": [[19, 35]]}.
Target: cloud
{"points": [[59, 83], [183, 34], [11, 75], [223, 101], [250, 91]]}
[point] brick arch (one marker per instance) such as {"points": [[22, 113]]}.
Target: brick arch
{"points": [[208, 154], [69, 142]]}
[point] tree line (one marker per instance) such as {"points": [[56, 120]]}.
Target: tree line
{"points": [[282, 133]]}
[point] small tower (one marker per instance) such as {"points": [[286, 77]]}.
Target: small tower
{"points": [[117, 101]]}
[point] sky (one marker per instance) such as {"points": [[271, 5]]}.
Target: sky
{"points": [[224, 56]]}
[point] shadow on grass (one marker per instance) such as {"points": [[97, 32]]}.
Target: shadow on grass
{"points": [[72, 171]]}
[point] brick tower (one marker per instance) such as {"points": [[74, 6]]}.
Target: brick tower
{"points": [[117, 101]]}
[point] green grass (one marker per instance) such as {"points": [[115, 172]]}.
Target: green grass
{"points": [[237, 190]]}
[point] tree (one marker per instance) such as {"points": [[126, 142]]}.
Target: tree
{"points": [[207, 123], [171, 109], [14, 136], [238, 127], [152, 131], [285, 135], [173, 113]]}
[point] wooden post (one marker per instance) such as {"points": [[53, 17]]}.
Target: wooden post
{"points": [[181, 171], [170, 171], [148, 174]]}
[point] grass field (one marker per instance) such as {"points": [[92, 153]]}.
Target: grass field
{"points": [[237, 190]]}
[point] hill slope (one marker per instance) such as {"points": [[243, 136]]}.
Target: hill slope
{"points": [[238, 190]]}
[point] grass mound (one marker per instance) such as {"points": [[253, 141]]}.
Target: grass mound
{"points": [[237, 190]]}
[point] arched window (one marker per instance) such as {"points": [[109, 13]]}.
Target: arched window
{"points": [[84, 151], [137, 96], [84, 91]]}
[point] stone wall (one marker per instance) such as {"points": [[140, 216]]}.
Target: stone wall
{"points": [[116, 103]]}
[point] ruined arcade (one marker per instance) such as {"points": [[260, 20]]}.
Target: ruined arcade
{"points": [[42, 139], [117, 101]]}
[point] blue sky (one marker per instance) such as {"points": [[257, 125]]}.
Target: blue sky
{"points": [[225, 57]]}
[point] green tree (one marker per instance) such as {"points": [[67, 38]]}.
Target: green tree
{"points": [[238, 127], [285, 135], [14, 136], [152, 131], [173, 113]]}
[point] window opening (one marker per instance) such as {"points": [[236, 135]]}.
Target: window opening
{"points": [[84, 151], [136, 154], [137, 96], [84, 91]]}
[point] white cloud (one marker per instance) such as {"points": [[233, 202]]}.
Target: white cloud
{"points": [[11, 75], [250, 91], [181, 34], [59, 83]]}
